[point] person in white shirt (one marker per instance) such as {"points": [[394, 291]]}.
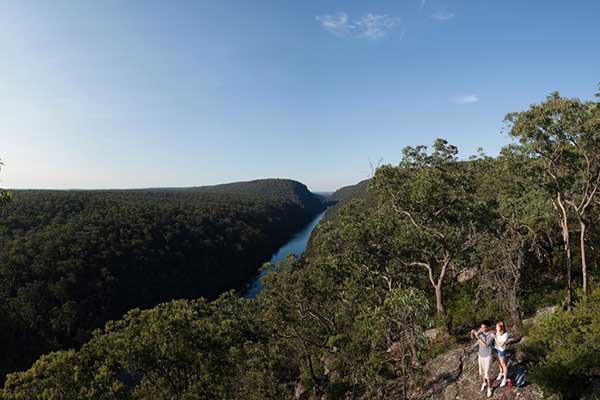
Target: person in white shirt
{"points": [[501, 338]]}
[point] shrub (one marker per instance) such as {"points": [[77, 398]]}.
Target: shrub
{"points": [[569, 342]]}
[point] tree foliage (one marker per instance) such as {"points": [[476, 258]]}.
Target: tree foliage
{"points": [[564, 134], [70, 261], [436, 234], [433, 199], [177, 350], [569, 345]]}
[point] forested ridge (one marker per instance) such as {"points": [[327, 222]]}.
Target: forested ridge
{"points": [[440, 240], [72, 260]]}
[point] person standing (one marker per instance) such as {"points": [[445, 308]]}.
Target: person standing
{"points": [[501, 338], [485, 340]]}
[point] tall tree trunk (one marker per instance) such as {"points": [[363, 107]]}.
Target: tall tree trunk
{"points": [[436, 283], [583, 256], [439, 304], [564, 224], [515, 309], [567, 248]]}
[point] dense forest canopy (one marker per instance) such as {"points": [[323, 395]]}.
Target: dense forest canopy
{"points": [[273, 188], [438, 240], [72, 260], [347, 193]]}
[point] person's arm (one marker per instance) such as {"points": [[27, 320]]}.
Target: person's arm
{"points": [[480, 340]]}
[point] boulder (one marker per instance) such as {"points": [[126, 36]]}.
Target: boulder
{"points": [[435, 333], [545, 311], [300, 391], [466, 274]]}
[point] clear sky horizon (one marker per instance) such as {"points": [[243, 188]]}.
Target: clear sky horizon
{"points": [[115, 94]]}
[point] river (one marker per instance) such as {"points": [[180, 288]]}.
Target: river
{"points": [[297, 244]]}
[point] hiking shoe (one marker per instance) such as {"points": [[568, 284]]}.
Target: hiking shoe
{"points": [[489, 393], [483, 385]]}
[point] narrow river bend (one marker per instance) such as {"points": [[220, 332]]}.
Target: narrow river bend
{"points": [[297, 244]]}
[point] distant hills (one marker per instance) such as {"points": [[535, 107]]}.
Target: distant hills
{"points": [[347, 193], [70, 260], [272, 187]]}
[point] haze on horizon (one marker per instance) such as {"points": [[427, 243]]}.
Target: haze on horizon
{"points": [[138, 94]]}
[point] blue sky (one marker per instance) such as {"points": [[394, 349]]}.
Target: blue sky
{"points": [[101, 94]]}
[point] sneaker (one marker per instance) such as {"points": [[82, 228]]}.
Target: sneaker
{"points": [[483, 385], [503, 383], [489, 392], [500, 376]]}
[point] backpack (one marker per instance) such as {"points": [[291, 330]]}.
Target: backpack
{"points": [[520, 378]]}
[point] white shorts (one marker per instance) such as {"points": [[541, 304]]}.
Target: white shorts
{"points": [[484, 366]]}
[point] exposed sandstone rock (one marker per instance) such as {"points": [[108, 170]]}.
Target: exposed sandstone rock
{"points": [[529, 322], [435, 333], [466, 274], [454, 376], [545, 311], [300, 391]]}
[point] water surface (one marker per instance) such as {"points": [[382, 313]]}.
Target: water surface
{"points": [[296, 245]]}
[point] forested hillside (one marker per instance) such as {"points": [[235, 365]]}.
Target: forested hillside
{"points": [[440, 240], [72, 260], [271, 188], [347, 193]]}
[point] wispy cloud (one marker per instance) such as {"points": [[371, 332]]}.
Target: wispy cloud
{"points": [[442, 16], [466, 99], [337, 24], [369, 26], [373, 26]]}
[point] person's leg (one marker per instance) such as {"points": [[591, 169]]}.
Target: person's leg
{"points": [[504, 368], [501, 372], [481, 373], [486, 370]]}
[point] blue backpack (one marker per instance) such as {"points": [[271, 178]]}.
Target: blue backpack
{"points": [[520, 378]]}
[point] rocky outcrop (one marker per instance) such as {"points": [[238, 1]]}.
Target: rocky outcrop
{"points": [[454, 375], [466, 274], [542, 312], [434, 334]]}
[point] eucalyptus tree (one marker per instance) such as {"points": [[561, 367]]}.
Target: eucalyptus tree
{"points": [[398, 326], [362, 237], [431, 196], [339, 310], [176, 350], [564, 135], [517, 226]]}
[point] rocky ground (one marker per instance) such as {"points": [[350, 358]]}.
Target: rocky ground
{"points": [[455, 375]]}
